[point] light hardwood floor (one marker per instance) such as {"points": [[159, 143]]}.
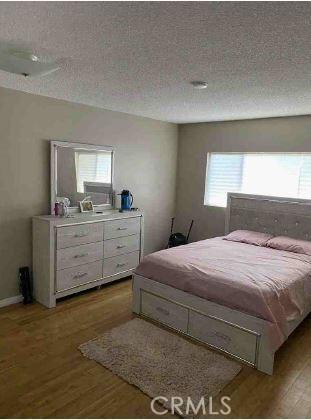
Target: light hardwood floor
{"points": [[42, 373]]}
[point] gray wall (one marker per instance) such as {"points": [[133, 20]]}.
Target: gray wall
{"points": [[145, 163], [291, 134]]}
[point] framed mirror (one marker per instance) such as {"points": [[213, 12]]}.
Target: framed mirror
{"points": [[82, 171]]}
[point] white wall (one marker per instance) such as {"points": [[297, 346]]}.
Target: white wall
{"points": [[291, 134], [145, 163]]}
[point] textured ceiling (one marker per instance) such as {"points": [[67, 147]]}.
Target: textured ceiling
{"points": [[138, 57]]}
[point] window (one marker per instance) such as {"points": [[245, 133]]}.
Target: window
{"points": [[284, 175], [92, 167]]}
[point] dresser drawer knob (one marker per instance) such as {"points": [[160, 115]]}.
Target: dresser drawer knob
{"points": [[121, 264], [122, 228], [81, 235], [225, 338], [121, 246], [162, 310], [81, 255], [79, 275]]}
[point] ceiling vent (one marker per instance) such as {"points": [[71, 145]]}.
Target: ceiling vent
{"points": [[25, 64]]}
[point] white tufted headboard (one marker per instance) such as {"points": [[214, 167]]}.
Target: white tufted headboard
{"points": [[274, 215]]}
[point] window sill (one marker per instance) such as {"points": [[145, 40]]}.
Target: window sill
{"points": [[215, 206]]}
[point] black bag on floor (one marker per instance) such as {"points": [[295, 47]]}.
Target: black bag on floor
{"points": [[177, 239], [25, 285]]}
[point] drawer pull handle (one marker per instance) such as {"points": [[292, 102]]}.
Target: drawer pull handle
{"points": [[162, 310], [81, 255], [121, 264], [79, 275], [223, 336], [81, 235], [122, 228], [223, 339], [121, 246]]}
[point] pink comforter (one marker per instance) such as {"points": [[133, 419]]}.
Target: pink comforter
{"points": [[267, 283]]}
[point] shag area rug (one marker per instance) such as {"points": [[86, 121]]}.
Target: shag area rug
{"points": [[161, 363]]}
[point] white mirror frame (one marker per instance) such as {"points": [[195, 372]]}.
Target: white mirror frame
{"points": [[54, 145]]}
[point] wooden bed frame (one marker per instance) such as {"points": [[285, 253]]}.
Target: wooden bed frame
{"points": [[240, 335]]}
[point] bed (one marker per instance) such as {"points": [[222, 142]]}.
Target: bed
{"points": [[241, 299]]}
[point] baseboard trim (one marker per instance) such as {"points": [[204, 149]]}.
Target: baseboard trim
{"points": [[11, 301]]}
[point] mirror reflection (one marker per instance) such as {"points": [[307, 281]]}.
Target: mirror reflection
{"points": [[84, 173]]}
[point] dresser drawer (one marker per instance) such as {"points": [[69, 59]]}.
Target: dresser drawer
{"points": [[121, 227], [75, 276], [120, 246], [115, 265], [223, 336], [78, 235], [164, 311], [78, 255]]}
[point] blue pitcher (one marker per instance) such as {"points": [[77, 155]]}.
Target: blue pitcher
{"points": [[126, 200]]}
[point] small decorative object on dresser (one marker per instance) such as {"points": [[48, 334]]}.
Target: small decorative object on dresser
{"points": [[86, 206], [87, 250]]}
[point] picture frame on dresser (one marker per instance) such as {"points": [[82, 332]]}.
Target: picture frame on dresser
{"points": [[86, 206]]}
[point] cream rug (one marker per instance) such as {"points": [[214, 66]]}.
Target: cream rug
{"points": [[161, 363]]}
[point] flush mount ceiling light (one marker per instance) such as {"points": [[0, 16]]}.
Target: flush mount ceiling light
{"points": [[25, 55], [198, 84], [25, 64]]}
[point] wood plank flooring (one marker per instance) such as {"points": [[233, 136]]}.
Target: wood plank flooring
{"points": [[43, 374]]}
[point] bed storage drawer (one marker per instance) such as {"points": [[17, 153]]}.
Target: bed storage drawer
{"points": [[119, 246], [224, 336], [115, 265], [75, 276], [122, 227], [78, 255], [164, 311], [80, 234]]}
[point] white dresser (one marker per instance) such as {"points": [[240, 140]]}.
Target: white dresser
{"points": [[78, 253]]}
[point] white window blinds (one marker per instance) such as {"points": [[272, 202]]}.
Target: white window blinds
{"points": [[286, 175], [92, 167]]}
